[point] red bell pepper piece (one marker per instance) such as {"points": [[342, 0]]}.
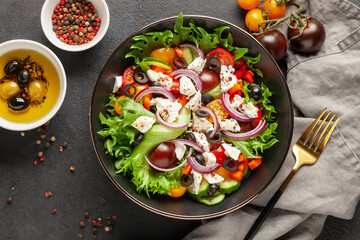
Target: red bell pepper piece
{"points": [[248, 76], [254, 163], [175, 88], [240, 72], [186, 170], [220, 155]]}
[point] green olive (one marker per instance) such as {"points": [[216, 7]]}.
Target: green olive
{"points": [[36, 91], [9, 89]]}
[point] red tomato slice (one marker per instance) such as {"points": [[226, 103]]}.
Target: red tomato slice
{"points": [[223, 55], [220, 155], [128, 75], [256, 121]]}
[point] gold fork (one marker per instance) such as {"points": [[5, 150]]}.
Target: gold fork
{"points": [[306, 150]]}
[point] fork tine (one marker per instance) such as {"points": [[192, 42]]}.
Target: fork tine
{"points": [[313, 135], [322, 132], [327, 137], [311, 127]]}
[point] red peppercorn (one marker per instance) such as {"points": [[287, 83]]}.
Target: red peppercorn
{"points": [[88, 35], [57, 6], [35, 162], [99, 224], [72, 168], [91, 7], [98, 20], [53, 211], [96, 28], [85, 17], [93, 222], [81, 29], [48, 194], [62, 2], [42, 158]]}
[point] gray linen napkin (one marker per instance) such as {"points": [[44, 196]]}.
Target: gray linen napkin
{"points": [[329, 78]]}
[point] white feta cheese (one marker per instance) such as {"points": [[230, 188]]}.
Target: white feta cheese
{"points": [[250, 110], [117, 83], [197, 181], [202, 141], [195, 102], [168, 110], [227, 78], [230, 125], [231, 151], [213, 178], [180, 149], [201, 124], [164, 80], [187, 87], [237, 102], [143, 123], [210, 158], [197, 65]]}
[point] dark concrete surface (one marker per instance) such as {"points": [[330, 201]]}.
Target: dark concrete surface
{"points": [[29, 215]]}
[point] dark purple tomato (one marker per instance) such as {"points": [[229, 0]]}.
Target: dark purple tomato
{"points": [[210, 79], [275, 42], [312, 38], [164, 155]]}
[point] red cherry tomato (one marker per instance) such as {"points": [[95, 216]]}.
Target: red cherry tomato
{"points": [[275, 42], [128, 75], [209, 79], [223, 55], [164, 155], [256, 121], [220, 155]]}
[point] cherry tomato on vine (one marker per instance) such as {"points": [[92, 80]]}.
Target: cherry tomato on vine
{"points": [[275, 10], [312, 38], [275, 42], [248, 4], [253, 18], [166, 54]]}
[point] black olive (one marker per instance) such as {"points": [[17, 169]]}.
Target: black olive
{"points": [[187, 180], [217, 138], [230, 164], [201, 113], [18, 103], [153, 108], [256, 92], [200, 158], [155, 84], [141, 78], [213, 188], [213, 64], [190, 136], [12, 67], [137, 141], [180, 63], [126, 90], [23, 77], [205, 99]]}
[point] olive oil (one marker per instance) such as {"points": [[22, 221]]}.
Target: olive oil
{"points": [[34, 111]]}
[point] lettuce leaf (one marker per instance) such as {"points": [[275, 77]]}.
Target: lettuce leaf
{"points": [[183, 34]]}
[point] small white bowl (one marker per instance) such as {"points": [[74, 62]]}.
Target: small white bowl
{"points": [[47, 25], [22, 44]]}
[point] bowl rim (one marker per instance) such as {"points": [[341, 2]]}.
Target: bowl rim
{"points": [[62, 78], [178, 216], [75, 48]]}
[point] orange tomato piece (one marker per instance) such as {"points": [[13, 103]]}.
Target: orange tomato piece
{"points": [[223, 173], [117, 106], [177, 191], [218, 109], [166, 54]]}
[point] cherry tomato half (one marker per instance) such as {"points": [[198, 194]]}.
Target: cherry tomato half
{"points": [[164, 155], [275, 10], [223, 55], [128, 75], [275, 42], [209, 79], [248, 4], [253, 18], [312, 38], [218, 109], [177, 191], [166, 54]]}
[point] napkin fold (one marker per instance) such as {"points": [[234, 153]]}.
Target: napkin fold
{"points": [[330, 78]]}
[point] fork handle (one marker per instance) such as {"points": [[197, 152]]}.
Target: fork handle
{"points": [[269, 206]]}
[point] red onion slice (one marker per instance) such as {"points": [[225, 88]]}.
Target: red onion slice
{"points": [[199, 168], [168, 125], [262, 124], [190, 74], [159, 90], [214, 117], [189, 143], [225, 99], [198, 50]]}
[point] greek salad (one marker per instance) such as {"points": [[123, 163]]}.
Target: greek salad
{"points": [[190, 116]]}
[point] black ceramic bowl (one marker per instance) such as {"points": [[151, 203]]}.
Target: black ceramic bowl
{"points": [[185, 207]]}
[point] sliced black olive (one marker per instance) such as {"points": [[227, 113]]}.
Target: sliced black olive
{"points": [[213, 64], [205, 99], [200, 158], [201, 113], [256, 92], [213, 188], [230, 164], [18, 103], [187, 180], [141, 78], [127, 92], [155, 84], [23, 77], [190, 136], [180, 63], [217, 138], [153, 108], [137, 140], [12, 67]]}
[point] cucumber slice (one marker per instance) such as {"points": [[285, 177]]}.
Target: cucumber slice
{"points": [[204, 187], [210, 201], [214, 92], [217, 193], [188, 56], [229, 185], [156, 62], [247, 172]]}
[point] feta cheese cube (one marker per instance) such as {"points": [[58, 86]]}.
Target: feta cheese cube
{"points": [[187, 87], [165, 80], [237, 102], [202, 141], [227, 78], [143, 123], [197, 181], [197, 65], [213, 178], [117, 83], [201, 124], [195, 102], [168, 110], [180, 149], [250, 110], [210, 158], [231, 151], [230, 125]]}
